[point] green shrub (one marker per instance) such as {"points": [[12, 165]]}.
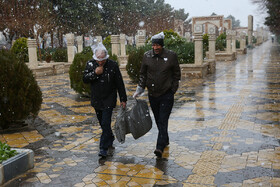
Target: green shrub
{"points": [[171, 34], [237, 43], [185, 53], [184, 49], [171, 38], [129, 48], [45, 53], [76, 72], [20, 95], [221, 42], [113, 57], [87, 50], [107, 42], [134, 62], [6, 152], [60, 55], [254, 40], [48, 57], [20, 49], [205, 41]]}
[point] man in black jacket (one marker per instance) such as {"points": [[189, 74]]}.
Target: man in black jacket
{"points": [[106, 80], [160, 73]]}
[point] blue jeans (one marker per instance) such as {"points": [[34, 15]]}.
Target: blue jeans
{"points": [[161, 107], [107, 137]]}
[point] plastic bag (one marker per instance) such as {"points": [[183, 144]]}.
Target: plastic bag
{"points": [[121, 125], [98, 51], [139, 119]]}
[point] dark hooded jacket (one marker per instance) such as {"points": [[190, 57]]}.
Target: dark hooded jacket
{"points": [[104, 87], [160, 73]]}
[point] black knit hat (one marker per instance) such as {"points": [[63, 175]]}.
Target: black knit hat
{"points": [[158, 41]]}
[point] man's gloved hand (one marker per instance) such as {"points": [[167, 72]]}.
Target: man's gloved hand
{"points": [[139, 91]]}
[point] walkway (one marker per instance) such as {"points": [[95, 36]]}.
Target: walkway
{"points": [[224, 131]]}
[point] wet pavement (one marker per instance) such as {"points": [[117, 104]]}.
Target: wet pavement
{"points": [[224, 131]]}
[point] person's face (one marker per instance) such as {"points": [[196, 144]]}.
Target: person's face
{"points": [[100, 55], [157, 48], [101, 63]]}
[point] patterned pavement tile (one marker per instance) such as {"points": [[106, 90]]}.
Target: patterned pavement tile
{"points": [[224, 131]]}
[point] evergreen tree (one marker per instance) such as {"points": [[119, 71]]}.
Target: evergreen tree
{"points": [[20, 95], [271, 7], [235, 23]]}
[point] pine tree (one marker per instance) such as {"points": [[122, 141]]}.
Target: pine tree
{"points": [[20, 95]]}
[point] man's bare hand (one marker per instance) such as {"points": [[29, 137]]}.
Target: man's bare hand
{"points": [[123, 104], [99, 70]]}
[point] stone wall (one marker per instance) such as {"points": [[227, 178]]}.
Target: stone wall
{"points": [[51, 69]]}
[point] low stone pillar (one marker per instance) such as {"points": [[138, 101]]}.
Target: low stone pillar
{"points": [[212, 41], [141, 38], [262, 34], [122, 44], [98, 39], [115, 40], [250, 30], [259, 36], [188, 36], [233, 41], [229, 50], [123, 57], [80, 43], [198, 44], [13, 41], [130, 40], [238, 38], [243, 41], [140, 41], [70, 47], [32, 53]]}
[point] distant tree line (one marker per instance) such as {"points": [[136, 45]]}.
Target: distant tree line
{"points": [[33, 18], [272, 8], [235, 22]]}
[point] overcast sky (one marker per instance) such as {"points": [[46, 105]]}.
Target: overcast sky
{"points": [[240, 9]]}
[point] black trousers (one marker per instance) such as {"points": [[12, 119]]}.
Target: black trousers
{"points": [[107, 136], [161, 107]]}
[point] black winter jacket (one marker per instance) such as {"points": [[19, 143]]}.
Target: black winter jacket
{"points": [[160, 73], [104, 87]]}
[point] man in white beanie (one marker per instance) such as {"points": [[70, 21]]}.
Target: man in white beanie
{"points": [[160, 73], [105, 79]]}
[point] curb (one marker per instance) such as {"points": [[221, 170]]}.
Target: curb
{"points": [[16, 165]]}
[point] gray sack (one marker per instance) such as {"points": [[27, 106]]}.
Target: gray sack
{"points": [[121, 125], [139, 119], [134, 119]]}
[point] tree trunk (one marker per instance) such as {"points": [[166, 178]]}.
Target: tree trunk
{"points": [[52, 39], [39, 49], [43, 43], [60, 39]]}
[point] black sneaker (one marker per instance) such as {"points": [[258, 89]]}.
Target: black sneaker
{"points": [[102, 153], [111, 147], [111, 150], [158, 153]]}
